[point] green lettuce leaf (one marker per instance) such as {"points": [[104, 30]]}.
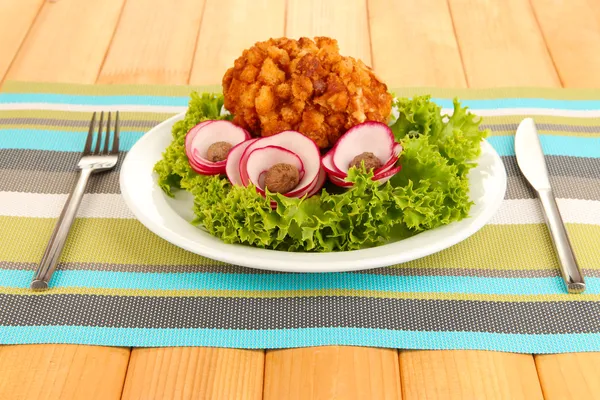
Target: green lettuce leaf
{"points": [[174, 169], [460, 139]]}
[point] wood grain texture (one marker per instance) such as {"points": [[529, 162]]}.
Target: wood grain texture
{"points": [[44, 372], [468, 375], [154, 42], [501, 44], [194, 373], [409, 51], [572, 376], [332, 372], [345, 20], [229, 27], [67, 42], [571, 29], [15, 19]]}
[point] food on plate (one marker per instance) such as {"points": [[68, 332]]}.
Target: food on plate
{"points": [[208, 144], [356, 180], [370, 145], [288, 163], [303, 85]]}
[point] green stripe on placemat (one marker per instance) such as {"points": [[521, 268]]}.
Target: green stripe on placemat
{"points": [[119, 284]]}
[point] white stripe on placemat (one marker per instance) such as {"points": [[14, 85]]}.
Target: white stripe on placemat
{"points": [[39, 205], [529, 211], [177, 109], [525, 211]]}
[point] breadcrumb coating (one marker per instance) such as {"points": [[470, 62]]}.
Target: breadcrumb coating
{"points": [[303, 85]]}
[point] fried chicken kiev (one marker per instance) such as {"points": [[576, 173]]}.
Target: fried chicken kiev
{"points": [[304, 85]]}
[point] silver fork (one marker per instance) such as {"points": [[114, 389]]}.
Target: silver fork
{"points": [[101, 158]]}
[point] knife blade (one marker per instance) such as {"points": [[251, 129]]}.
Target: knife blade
{"points": [[532, 164]]}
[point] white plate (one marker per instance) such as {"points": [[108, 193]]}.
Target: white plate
{"points": [[169, 218]]}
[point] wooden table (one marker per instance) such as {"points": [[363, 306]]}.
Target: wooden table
{"points": [[454, 43]]}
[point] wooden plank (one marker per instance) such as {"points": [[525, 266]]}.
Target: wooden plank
{"points": [[332, 372], [501, 44], [62, 372], [344, 20], [468, 375], [409, 51], [571, 376], [194, 373], [228, 27], [15, 20], [154, 42], [67, 42], [572, 32]]}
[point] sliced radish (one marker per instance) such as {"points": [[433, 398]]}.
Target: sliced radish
{"points": [[386, 176], [339, 181], [318, 185], [368, 137], [373, 137], [192, 132], [203, 135], [305, 148], [261, 159], [233, 161], [327, 164]]}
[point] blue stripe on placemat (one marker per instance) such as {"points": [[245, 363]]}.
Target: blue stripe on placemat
{"points": [[183, 101], [53, 140], [222, 281], [552, 145], [289, 338]]}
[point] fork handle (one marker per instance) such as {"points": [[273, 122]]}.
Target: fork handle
{"points": [[60, 233], [570, 271]]}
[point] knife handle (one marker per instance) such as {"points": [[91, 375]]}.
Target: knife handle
{"points": [[568, 264]]}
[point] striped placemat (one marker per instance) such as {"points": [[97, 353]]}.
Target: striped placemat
{"points": [[119, 284]]}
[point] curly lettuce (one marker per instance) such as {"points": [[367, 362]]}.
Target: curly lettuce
{"points": [[431, 190], [174, 171]]}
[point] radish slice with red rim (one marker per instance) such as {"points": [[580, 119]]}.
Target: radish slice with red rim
{"points": [[233, 161], [261, 159], [370, 136], [206, 133], [339, 181], [386, 176], [297, 143], [327, 164], [192, 132], [318, 185]]}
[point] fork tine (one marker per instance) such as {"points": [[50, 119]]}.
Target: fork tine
{"points": [[115, 146], [106, 147], [90, 136], [99, 139]]}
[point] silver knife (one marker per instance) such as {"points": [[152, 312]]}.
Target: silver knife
{"points": [[532, 164]]}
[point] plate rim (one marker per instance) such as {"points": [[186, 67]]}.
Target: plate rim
{"points": [[300, 262]]}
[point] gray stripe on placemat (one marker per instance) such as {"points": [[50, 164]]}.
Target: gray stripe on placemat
{"points": [[65, 161], [582, 167], [37, 171], [56, 182], [564, 188], [234, 269], [301, 312], [42, 160], [124, 122], [108, 182], [543, 127]]}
